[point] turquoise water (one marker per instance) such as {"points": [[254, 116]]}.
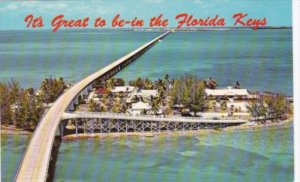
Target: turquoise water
{"points": [[260, 60], [265, 155], [12, 149], [31, 56]]}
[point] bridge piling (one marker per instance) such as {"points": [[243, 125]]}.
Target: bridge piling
{"points": [[61, 130]]}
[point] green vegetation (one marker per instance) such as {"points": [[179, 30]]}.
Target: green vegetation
{"points": [[23, 108], [189, 91], [142, 83], [51, 88], [269, 107]]}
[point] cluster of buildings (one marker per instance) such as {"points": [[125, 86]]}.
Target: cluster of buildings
{"points": [[236, 99], [136, 98]]}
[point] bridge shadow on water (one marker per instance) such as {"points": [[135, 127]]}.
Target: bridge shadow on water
{"points": [[54, 154]]}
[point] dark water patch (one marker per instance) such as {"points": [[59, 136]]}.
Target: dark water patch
{"points": [[53, 158]]}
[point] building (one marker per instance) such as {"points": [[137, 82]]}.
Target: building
{"points": [[124, 89], [139, 108], [142, 93], [231, 99], [228, 92]]}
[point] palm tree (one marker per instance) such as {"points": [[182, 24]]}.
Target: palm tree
{"points": [[155, 105], [223, 105], [110, 83], [148, 84], [92, 106]]}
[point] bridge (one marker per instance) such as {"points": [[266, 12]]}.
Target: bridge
{"points": [[104, 122], [35, 162]]}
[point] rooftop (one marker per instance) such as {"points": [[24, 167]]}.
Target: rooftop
{"points": [[229, 91], [140, 106], [123, 89]]}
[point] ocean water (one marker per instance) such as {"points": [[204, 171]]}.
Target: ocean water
{"points": [[31, 56], [12, 150], [262, 155], [259, 60]]}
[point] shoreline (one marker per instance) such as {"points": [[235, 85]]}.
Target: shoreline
{"points": [[243, 127], [14, 131]]}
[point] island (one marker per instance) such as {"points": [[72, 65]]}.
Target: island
{"points": [[187, 98]]}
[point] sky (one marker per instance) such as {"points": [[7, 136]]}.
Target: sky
{"points": [[12, 14]]}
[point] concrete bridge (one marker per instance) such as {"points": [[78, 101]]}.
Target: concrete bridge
{"points": [[35, 162]]}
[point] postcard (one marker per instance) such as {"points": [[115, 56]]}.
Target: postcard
{"points": [[149, 90]]}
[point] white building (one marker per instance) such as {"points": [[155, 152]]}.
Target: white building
{"points": [[139, 107], [125, 89], [227, 92], [92, 96], [142, 93]]}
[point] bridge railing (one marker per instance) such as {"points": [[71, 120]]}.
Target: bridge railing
{"points": [[105, 114]]}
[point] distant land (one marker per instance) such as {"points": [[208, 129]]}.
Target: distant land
{"points": [[183, 29]]}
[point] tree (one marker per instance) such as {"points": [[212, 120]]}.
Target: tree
{"points": [[190, 92], [119, 82], [258, 109], [52, 88], [14, 88], [29, 112], [155, 104], [210, 83], [198, 97], [93, 106], [277, 106], [271, 106], [148, 84], [5, 104]]}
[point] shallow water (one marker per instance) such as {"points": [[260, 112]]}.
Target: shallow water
{"points": [[12, 149], [262, 155]]}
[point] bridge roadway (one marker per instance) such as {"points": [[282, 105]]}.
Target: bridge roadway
{"points": [[106, 115], [35, 162]]}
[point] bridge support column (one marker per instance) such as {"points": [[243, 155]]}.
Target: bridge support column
{"points": [[84, 126], [71, 106], [76, 128], [85, 91], [61, 126], [158, 124], [76, 100], [118, 125], [89, 88], [93, 128]]}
